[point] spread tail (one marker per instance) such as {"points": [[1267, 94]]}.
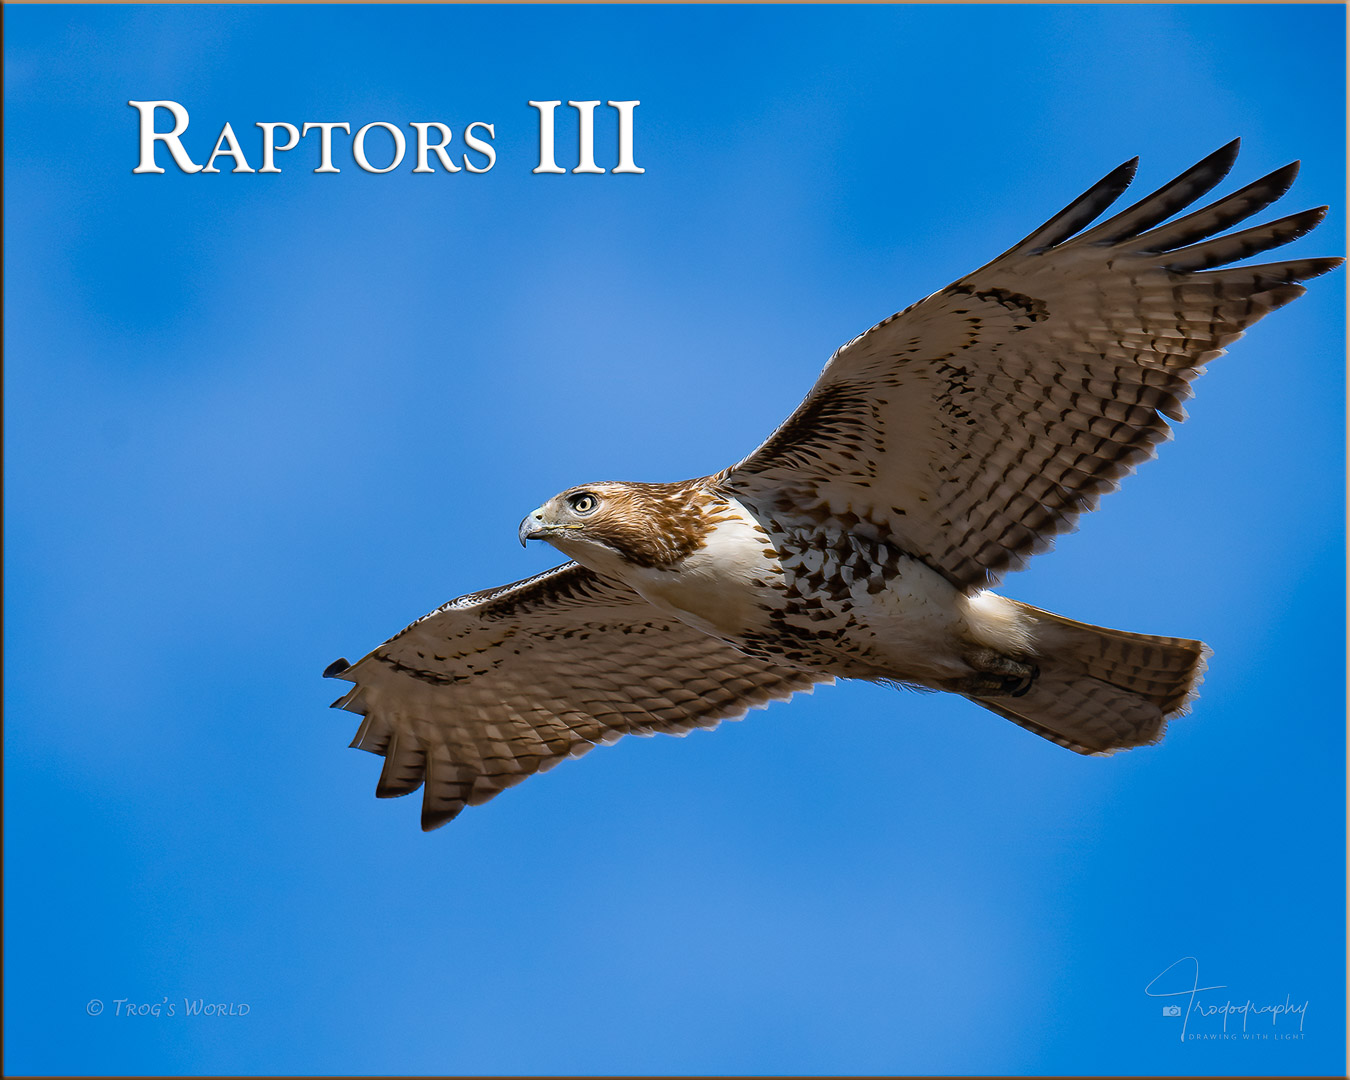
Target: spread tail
{"points": [[1100, 690]]}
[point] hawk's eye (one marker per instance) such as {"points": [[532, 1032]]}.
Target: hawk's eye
{"points": [[585, 503]]}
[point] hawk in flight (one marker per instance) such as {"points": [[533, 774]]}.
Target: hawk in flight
{"points": [[936, 452]]}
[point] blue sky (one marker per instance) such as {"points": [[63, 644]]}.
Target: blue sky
{"points": [[254, 422]]}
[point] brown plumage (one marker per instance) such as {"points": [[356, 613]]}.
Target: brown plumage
{"points": [[937, 451], [651, 524]]}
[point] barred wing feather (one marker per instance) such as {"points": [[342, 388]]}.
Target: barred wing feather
{"points": [[974, 426], [498, 685]]}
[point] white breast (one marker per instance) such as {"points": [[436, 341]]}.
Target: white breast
{"points": [[720, 588]]}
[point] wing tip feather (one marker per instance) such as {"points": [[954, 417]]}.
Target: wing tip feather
{"points": [[1227, 153], [1317, 267], [1079, 213], [433, 819]]}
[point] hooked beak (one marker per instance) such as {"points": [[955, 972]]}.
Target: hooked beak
{"points": [[533, 527]]}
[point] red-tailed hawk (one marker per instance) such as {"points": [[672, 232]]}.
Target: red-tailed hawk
{"points": [[936, 452]]}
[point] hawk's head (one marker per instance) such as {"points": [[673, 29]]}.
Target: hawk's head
{"points": [[646, 525]]}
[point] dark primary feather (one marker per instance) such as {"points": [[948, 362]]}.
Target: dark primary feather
{"points": [[1194, 183], [1220, 215], [1082, 211], [1241, 245]]}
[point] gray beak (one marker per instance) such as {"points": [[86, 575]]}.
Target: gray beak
{"points": [[532, 528]]}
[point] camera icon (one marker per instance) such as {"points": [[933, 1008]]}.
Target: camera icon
{"points": [[1171, 1010]]}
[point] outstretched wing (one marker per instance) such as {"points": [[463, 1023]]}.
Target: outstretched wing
{"points": [[498, 685], [976, 425]]}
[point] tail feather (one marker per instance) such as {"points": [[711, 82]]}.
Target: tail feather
{"points": [[1100, 690]]}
